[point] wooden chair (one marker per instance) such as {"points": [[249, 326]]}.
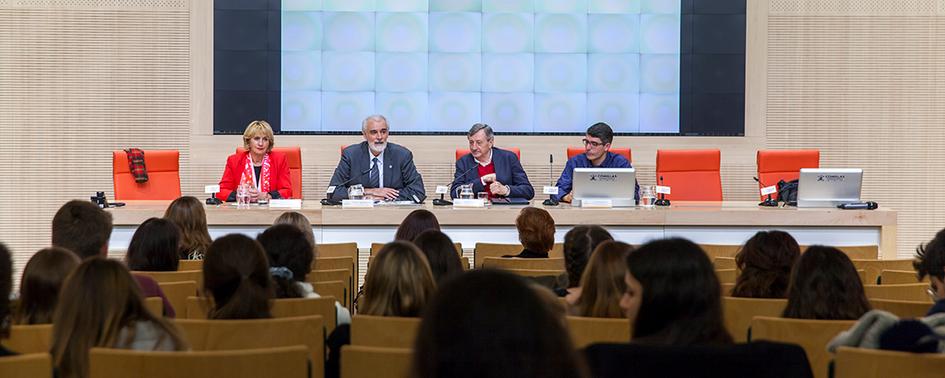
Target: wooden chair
{"points": [[720, 250], [484, 250], [465, 262], [289, 361], [179, 276], [197, 308], [726, 275], [25, 339], [376, 247], [874, 267], [177, 294], [856, 252], [186, 265], [384, 331], [205, 335], [586, 331], [902, 309], [872, 363], [887, 277], [812, 335], [901, 292], [340, 250], [528, 264], [724, 263], [727, 288], [335, 289], [738, 313], [343, 275], [333, 263], [862, 274], [35, 365], [536, 272], [155, 305], [370, 362]]}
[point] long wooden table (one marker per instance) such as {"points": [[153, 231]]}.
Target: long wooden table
{"points": [[703, 222]]}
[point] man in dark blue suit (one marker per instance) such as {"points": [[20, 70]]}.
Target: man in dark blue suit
{"points": [[492, 170], [386, 170]]}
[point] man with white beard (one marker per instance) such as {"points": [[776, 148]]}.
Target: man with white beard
{"points": [[386, 170]]}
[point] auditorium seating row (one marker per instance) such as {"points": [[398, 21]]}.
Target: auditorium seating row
{"points": [[694, 175]]}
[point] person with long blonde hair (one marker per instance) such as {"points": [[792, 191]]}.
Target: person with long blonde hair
{"points": [[187, 213], [602, 284], [299, 220], [101, 306], [399, 282]]}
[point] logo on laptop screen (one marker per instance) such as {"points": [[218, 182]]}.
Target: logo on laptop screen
{"points": [[831, 178], [603, 177]]}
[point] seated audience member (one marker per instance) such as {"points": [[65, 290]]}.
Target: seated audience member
{"points": [[824, 285], [416, 222], [40, 285], [385, 170], [155, 247], [187, 213], [101, 306], [6, 286], [489, 323], [602, 284], [298, 220], [536, 232], [930, 261], [290, 261], [440, 253], [84, 228], [264, 174], [765, 262], [494, 171], [579, 242], [673, 296], [596, 154], [236, 277]]}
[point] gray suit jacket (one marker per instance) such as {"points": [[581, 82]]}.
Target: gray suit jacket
{"points": [[399, 171]]}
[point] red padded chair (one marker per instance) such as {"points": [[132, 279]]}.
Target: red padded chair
{"points": [[694, 175], [574, 151], [460, 152], [163, 176], [293, 156], [776, 165]]}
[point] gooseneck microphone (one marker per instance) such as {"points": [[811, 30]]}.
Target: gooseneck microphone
{"points": [[768, 202], [551, 201], [662, 201], [442, 202], [328, 201]]}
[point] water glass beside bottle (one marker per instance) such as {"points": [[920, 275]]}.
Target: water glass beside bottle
{"points": [[648, 196], [242, 196], [356, 192], [466, 192]]}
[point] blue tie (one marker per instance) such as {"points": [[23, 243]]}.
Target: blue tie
{"points": [[374, 182]]}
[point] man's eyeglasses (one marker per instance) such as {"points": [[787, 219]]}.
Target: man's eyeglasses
{"points": [[592, 143]]}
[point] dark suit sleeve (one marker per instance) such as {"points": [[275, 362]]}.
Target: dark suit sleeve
{"points": [[520, 187], [342, 174], [413, 182]]}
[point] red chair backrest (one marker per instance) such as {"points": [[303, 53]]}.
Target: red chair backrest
{"points": [[163, 183], [293, 157], [574, 151], [776, 165], [693, 175], [460, 152]]}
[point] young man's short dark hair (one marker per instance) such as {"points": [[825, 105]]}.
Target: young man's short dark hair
{"points": [[601, 131], [82, 227], [930, 258]]}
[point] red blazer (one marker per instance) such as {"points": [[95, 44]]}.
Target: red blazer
{"points": [[278, 174]]}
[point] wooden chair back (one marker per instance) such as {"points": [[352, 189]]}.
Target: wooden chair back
{"points": [[720, 250], [900, 292], [179, 276], [343, 275], [34, 365], [874, 267], [177, 294], [335, 289], [289, 361], [376, 247], [738, 313], [333, 263], [338, 250], [384, 331], [551, 263], [186, 265], [586, 331], [724, 263], [812, 335], [26, 339], [902, 309], [726, 275], [309, 331], [856, 252], [536, 272], [893, 277], [371, 362], [198, 307], [727, 288], [873, 363], [155, 305], [485, 250]]}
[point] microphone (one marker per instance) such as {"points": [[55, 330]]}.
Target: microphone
{"points": [[442, 202], [328, 201], [551, 201], [868, 205], [769, 202], [662, 201]]}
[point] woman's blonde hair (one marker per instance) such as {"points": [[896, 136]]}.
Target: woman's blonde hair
{"points": [[399, 282], [99, 300], [255, 128], [187, 213], [299, 220], [602, 283]]}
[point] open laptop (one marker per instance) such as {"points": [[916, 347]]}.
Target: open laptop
{"points": [[615, 184], [829, 187]]}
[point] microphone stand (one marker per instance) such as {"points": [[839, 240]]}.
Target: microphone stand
{"points": [[768, 202], [662, 201], [551, 201]]}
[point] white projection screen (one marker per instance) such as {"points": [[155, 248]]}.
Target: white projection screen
{"points": [[522, 66]]}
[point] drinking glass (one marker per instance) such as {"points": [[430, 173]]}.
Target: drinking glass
{"points": [[484, 196], [356, 192], [242, 196], [466, 191], [648, 196]]}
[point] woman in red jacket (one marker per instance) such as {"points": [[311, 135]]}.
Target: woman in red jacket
{"points": [[264, 173]]}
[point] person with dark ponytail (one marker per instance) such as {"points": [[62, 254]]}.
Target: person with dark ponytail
{"points": [[236, 277], [290, 258], [578, 245], [765, 262]]}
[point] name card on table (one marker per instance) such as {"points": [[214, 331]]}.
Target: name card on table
{"points": [[550, 190], [769, 190], [442, 189], [600, 203], [357, 204], [660, 189], [211, 189], [294, 204], [330, 190], [471, 203]]}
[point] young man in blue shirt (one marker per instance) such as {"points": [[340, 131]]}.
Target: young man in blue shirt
{"points": [[596, 155]]}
